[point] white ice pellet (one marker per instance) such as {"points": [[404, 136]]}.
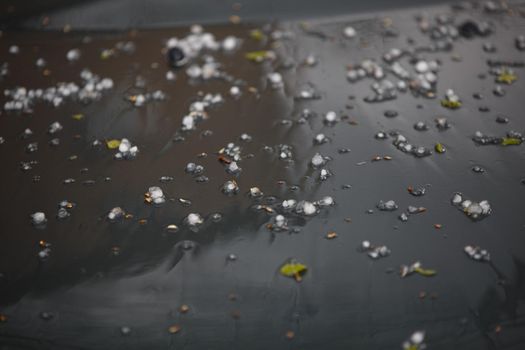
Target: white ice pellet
{"points": [[417, 337], [193, 219], [188, 122], [40, 62], [320, 139], [349, 32], [156, 194], [326, 201], [124, 146], [276, 79], [73, 55], [230, 187], [317, 160], [13, 49], [306, 208], [230, 43], [422, 67], [170, 76], [330, 117], [116, 214], [54, 127], [235, 91], [194, 71], [289, 203], [38, 218]]}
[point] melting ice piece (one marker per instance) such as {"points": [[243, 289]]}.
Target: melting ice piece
{"points": [[126, 150], [233, 169], [116, 214], [38, 218], [32, 147], [417, 191], [306, 208], [235, 91], [279, 223], [374, 252], [403, 145], [230, 188], [255, 192], [166, 178], [520, 42], [63, 209], [154, 195], [318, 160], [415, 210], [194, 220], [381, 135], [476, 253], [451, 100], [330, 118], [512, 138], [442, 123], [421, 126], [324, 174], [474, 210], [44, 253], [194, 169], [54, 128], [289, 204], [349, 32], [387, 206], [230, 43], [415, 342], [245, 137], [326, 201], [276, 80], [231, 257], [73, 55], [285, 152], [319, 139]]}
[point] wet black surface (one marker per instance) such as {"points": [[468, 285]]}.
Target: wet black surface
{"points": [[345, 300]]}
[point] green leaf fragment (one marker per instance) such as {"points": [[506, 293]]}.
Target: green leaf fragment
{"points": [[451, 104], [256, 56], [506, 77], [440, 148], [105, 54], [507, 141], [425, 272], [257, 34], [293, 269], [113, 144]]}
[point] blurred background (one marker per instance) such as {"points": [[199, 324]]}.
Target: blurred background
{"points": [[120, 14]]}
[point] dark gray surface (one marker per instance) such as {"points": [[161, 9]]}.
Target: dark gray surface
{"points": [[345, 301]]}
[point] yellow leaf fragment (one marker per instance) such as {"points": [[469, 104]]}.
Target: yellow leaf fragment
{"points": [[440, 148], [425, 272], [293, 269], [257, 34], [507, 141], [451, 104], [506, 77], [256, 56], [113, 144]]}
